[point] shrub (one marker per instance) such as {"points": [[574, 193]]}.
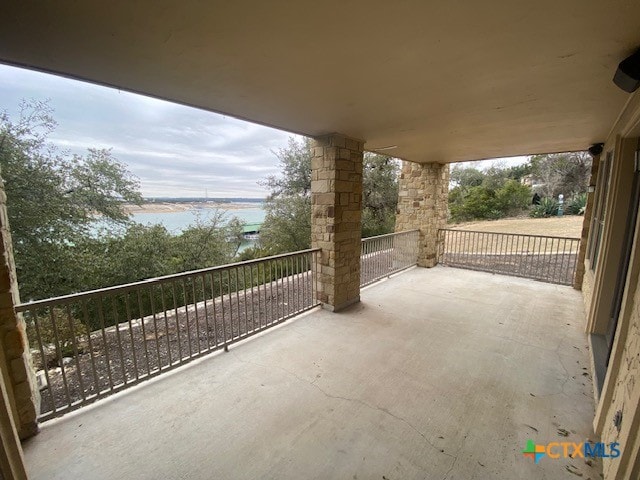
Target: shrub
{"points": [[512, 198], [481, 202], [477, 202], [548, 207], [577, 205]]}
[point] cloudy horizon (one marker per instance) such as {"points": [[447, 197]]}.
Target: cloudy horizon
{"points": [[174, 150]]}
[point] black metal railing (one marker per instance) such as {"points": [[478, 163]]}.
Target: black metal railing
{"points": [[540, 257], [384, 255], [92, 344]]}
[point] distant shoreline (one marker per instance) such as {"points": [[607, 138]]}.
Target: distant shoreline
{"points": [[175, 207]]}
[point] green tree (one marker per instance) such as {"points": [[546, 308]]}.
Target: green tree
{"points": [[144, 251], [54, 199], [465, 177], [287, 225], [147, 251], [379, 194], [488, 194], [561, 173], [475, 203], [513, 197], [295, 170], [207, 243]]}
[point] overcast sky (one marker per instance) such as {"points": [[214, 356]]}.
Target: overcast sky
{"points": [[175, 151]]}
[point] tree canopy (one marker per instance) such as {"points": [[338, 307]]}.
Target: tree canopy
{"points": [[54, 199], [287, 225], [487, 194], [501, 191], [561, 173]]}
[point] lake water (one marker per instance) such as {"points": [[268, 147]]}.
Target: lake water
{"points": [[175, 222]]}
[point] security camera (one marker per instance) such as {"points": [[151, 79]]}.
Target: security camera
{"points": [[596, 149]]}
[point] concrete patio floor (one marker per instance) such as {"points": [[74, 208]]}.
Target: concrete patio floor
{"points": [[437, 374]]}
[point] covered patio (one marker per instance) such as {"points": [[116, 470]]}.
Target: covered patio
{"points": [[436, 373]]}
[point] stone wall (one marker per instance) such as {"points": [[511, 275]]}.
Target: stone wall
{"points": [[336, 188], [15, 358], [423, 204]]}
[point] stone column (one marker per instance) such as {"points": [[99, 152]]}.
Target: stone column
{"points": [[423, 192], [336, 190], [15, 358], [586, 226]]}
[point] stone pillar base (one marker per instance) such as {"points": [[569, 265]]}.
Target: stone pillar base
{"points": [[337, 308]]}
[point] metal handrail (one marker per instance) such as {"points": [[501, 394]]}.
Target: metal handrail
{"points": [[152, 281], [540, 257], [384, 255], [92, 344], [507, 233], [389, 235]]}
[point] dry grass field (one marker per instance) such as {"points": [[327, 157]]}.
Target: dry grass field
{"points": [[567, 226]]}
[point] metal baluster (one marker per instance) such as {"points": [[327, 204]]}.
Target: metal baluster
{"points": [[195, 312], [155, 326], [76, 353], [213, 308], [86, 323], [175, 309], [144, 330], [253, 301], [230, 303], [106, 343], [166, 327], [185, 300], [58, 346], [287, 277], [133, 342], [116, 326], [45, 362], [206, 309], [224, 321]]}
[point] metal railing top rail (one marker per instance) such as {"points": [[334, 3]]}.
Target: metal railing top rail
{"points": [[389, 234], [507, 233], [151, 281]]}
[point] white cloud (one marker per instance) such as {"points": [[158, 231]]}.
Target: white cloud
{"points": [[173, 149]]}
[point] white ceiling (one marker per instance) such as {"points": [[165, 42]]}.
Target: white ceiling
{"points": [[444, 81]]}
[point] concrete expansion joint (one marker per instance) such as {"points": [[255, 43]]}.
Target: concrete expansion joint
{"points": [[354, 400]]}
